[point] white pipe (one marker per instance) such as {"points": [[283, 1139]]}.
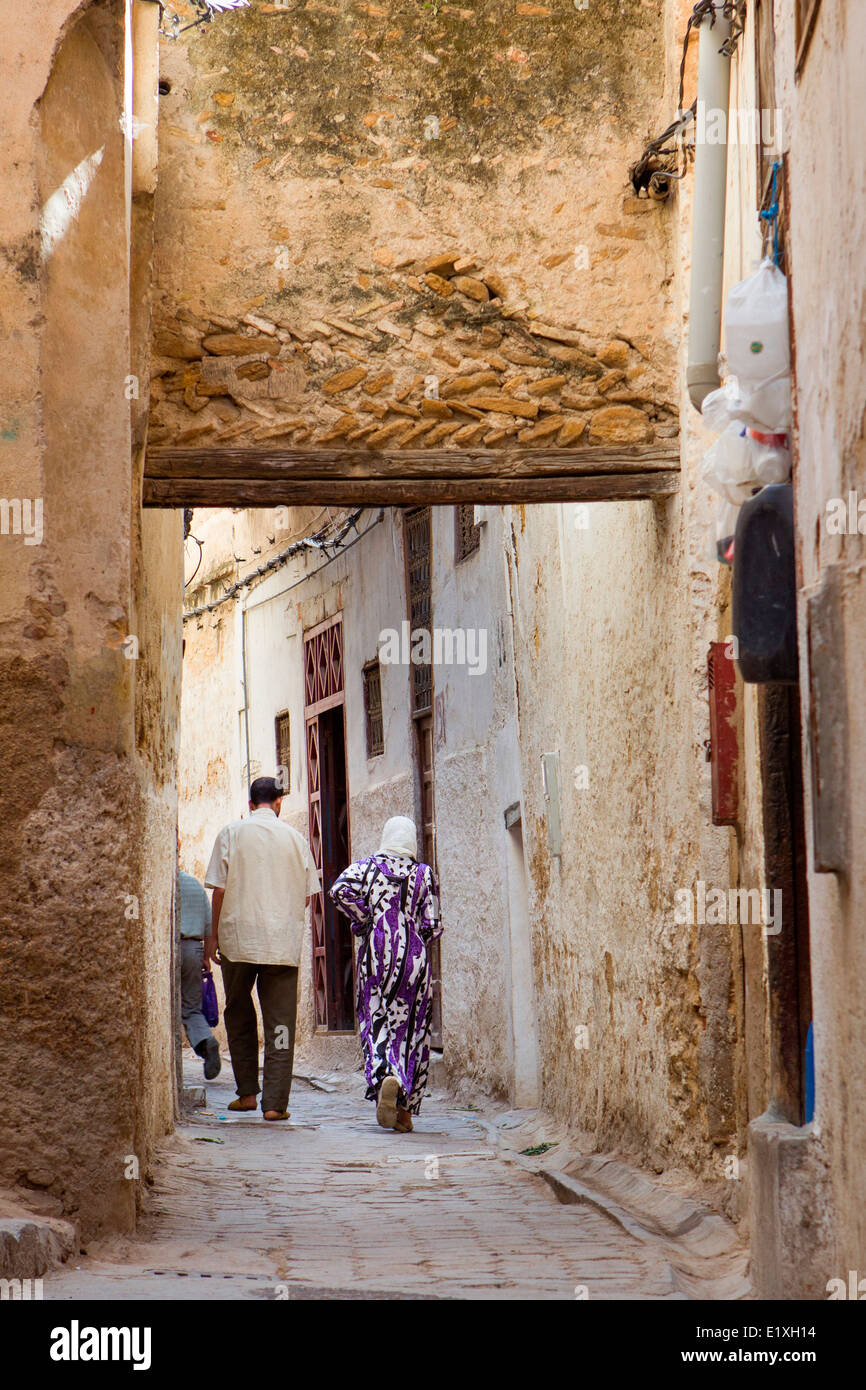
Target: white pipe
{"points": [[708, 216]]}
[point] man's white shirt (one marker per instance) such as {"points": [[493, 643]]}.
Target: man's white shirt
{"points": [[268, 872]]}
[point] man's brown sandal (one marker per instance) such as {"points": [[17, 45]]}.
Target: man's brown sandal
{"points": [[236, 1105], [275, 1114]]}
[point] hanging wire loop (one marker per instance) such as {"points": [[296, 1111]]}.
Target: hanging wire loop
{"points": [[771, 214]]}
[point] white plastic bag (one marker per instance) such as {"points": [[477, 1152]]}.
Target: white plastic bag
{"points": [[756, 328], [767, 407], [728, 466], [757, 349], [717, 408]]}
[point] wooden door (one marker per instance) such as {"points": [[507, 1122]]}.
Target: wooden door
{"points": [[328, 803], [339, 951]]}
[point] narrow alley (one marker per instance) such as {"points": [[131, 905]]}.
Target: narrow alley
{"points": [[332, 1207], [432, 752]]}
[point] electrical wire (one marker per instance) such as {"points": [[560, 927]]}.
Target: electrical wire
{"points": [[302, 579], [332, 549], [770, 216], [208, 10], [191, 537], [657, 150]]}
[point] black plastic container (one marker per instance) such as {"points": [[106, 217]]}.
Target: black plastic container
{"points": [[765, 588]]}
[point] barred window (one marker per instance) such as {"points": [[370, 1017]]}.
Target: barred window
{"points": [[467, 536], [373, 710], [284, 750], [419, 580]]}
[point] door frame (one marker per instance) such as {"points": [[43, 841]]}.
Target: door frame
{"points": [[331, 694]]}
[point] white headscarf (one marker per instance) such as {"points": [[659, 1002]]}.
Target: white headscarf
{"points": [[400, 837]]}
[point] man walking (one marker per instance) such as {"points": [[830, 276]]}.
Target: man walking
{"points": [[194, 914], [263, 876]]}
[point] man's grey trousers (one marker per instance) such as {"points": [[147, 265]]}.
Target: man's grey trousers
{"points": [[277, 987], [191, 951]]}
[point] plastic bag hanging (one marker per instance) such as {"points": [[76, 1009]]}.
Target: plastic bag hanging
{"points": [[757, 348], [728, 466]]}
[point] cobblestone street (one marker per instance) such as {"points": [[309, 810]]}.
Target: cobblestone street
{"points": [[332, 1206]]}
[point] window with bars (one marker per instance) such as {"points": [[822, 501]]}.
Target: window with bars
{"points": [[418, 578], [373, 709], [284, 750], [467, 536]]}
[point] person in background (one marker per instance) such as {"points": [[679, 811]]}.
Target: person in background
{"points": [[194, 914], [392, 904], [263, 876]]}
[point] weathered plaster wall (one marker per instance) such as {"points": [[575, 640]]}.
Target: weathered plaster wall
{"points": [[730, 962], [823, 110], [477, 776], [356, 198], [212, 774], [599, 612], [618, 606], [86, 1064]]}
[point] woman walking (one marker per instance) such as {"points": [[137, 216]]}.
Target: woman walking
{"points": [[392, 903]]}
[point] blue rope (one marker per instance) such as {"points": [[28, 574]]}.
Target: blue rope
{"points": [[772, 212]]}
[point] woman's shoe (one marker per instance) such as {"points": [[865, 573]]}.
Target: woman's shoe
{"points": [[404, 1121], [386, 1105]]}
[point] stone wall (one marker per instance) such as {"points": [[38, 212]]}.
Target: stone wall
{"points": [[435, 246], [454, 372], [87, 793]]}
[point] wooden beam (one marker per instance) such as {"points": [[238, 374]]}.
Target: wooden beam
{"points": [[244, 477], [404, 492], [287, 464]]}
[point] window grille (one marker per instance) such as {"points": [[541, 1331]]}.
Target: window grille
{"points": [[418, 547], [373, 710], [284, 750], [467, 536]]}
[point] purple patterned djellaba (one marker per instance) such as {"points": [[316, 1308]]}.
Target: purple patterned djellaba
{"points": [[393, 907]]}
